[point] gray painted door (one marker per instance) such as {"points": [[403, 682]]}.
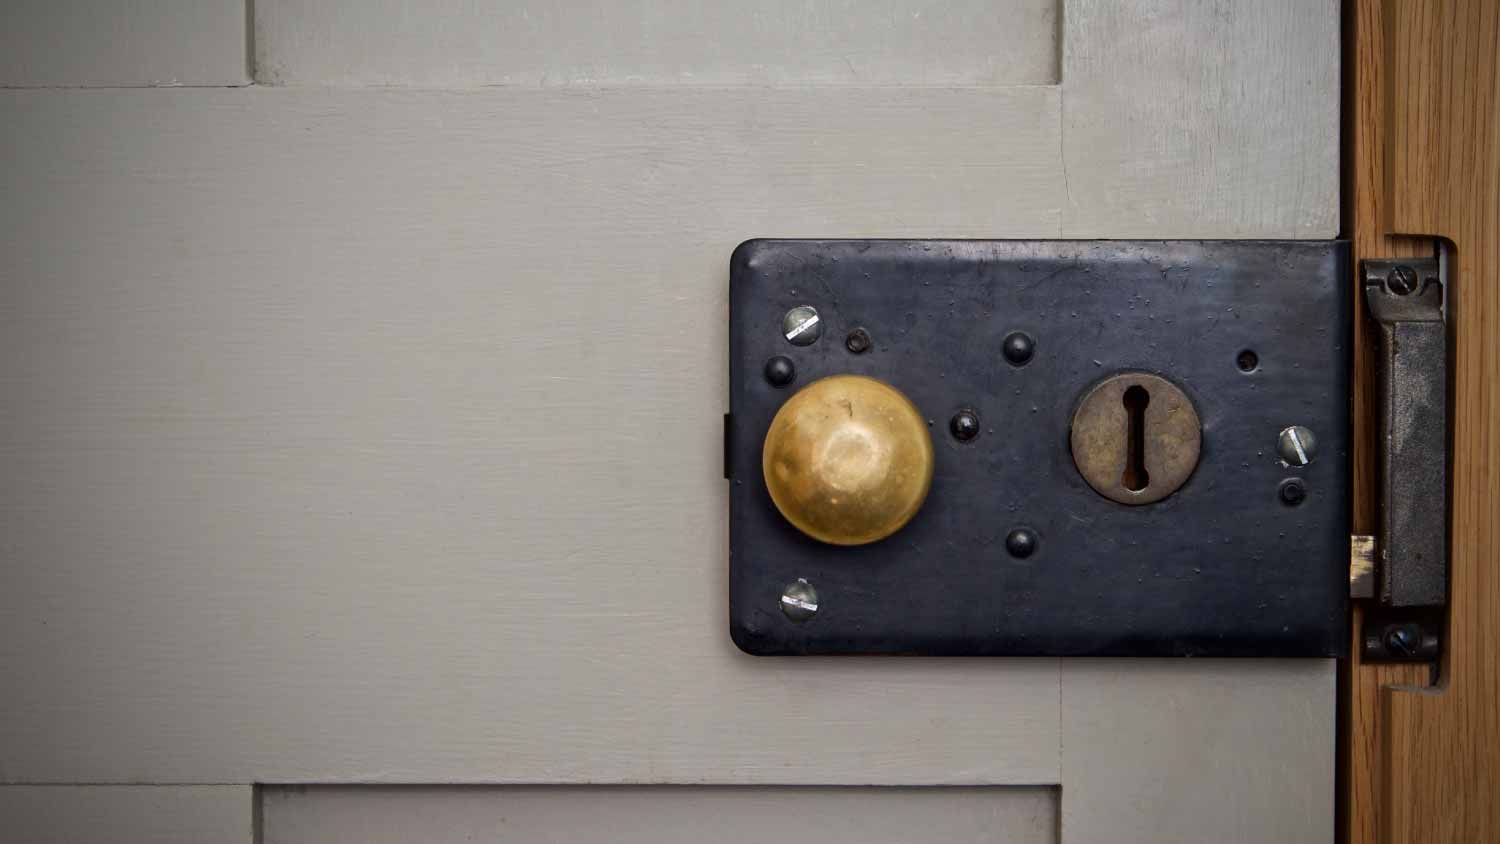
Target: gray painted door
{"points": [[364, 373]]}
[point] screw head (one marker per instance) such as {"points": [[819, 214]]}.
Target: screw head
{"points": [[801, 326], [1018, 347], [964, 425], [799, 601], [858, 341], [1296, 445], [1292, 492], [1401, 280], [780, 371], [1403, 639], [1021, 543]]}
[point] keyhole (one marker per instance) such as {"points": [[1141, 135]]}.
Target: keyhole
{"points": [[1136, 478]]}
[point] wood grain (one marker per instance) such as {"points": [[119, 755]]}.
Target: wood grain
{"points": [[1424, 763], [1444, 746], [1366, 212]]}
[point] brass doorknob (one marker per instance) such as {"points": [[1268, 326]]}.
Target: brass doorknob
{"points": [[848, 460]]}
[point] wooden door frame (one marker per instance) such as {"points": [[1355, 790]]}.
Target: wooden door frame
{"points": [[1420, 749]]}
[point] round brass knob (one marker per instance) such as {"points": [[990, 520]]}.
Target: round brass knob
{"points": [[848, 460]]}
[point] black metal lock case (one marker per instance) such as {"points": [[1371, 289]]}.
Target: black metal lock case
{"points": [[1013, 551]]}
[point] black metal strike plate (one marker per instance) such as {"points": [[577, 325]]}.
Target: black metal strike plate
{"points": [[1408, 303], [1013, 552]]}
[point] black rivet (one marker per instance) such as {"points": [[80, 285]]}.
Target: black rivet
{"points": [[965, 425], [858, 341], [1292, 492], [1021, 543], [1018, 347], [780, 371], [1247, 360]]}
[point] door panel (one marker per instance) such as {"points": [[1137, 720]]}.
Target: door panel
{"points": [[1200, 119], [162, 814], [635, 815], [1188, 751], [103, 44], [459, 43], [371, 435], [376, 436]]}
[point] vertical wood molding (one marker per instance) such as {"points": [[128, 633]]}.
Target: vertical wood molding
{"points": [[1443, 762], [1424, 107], [1366, 222]]}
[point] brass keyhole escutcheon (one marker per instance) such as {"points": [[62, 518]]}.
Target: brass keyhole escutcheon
{"points": [[848, 460], [1136, 437]]}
